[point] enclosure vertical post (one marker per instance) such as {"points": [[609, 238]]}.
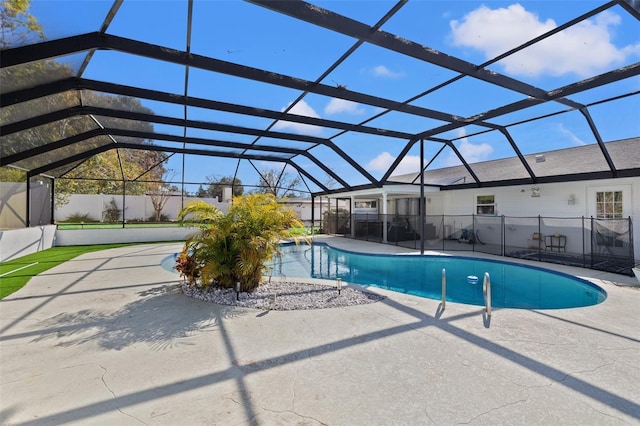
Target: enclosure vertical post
{"points": [[473, 231], [631, 246], [384, 217], [444, 236], [124, 196], [28, 202], [52, 194], [503, 237], [539, 239], [352, 229], [444, 288], [422, 203], [313, 213], [591, 245], [182, 172], [337, 221], [584, 248]]}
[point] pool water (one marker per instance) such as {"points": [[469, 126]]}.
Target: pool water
{"points": [[512, 285]]}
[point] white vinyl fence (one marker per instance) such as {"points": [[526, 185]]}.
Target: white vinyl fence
{"points": [[136, 207]]}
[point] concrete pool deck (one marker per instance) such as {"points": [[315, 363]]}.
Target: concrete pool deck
{"points": [[106, 338]]}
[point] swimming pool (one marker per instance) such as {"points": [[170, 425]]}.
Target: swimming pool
{"points": [[512, 285]]}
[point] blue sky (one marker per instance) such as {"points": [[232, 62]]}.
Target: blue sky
{"points": [[473, 31]]}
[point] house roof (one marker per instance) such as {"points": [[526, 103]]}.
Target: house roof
{"points": [[549, 166]]}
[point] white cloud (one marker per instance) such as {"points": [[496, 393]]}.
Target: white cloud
{"points": [[576, 140], [336, 106], [382, 162], [301, 108], [382, 71], [584, 49], [472, 153]]}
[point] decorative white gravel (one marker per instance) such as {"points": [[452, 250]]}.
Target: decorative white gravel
{"points": [[284, 296]]}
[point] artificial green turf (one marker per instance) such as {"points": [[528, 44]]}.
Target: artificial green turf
{"points": [[46, 259]]}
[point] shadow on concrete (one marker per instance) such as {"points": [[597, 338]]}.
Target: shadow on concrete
{"points": [[150, 321], [157, 318]]}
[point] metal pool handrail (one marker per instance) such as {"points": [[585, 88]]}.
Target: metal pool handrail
{"points": [[486, 290]]}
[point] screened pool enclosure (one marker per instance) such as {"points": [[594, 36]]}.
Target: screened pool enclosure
{"points": [[307, 99]]}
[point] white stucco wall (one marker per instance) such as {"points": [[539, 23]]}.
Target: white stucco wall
{"points": [[74, 237], [16, 243]]}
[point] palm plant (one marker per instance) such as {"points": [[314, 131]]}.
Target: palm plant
{"points": [[235, 247]]}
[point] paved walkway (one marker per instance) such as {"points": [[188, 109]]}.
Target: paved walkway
{"points": [[107, 339]]}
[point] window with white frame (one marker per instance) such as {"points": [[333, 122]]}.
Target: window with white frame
{"points": [[609, 204], [366, 204], [486, 204]]}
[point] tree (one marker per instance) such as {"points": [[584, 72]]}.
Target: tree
{"points": [[160, 193], [102, 173], [109, 167], [17, 25], [280, 184], [234, 247], [9, 174], [216, 185]]}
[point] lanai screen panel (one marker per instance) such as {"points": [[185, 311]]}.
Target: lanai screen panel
{"points": [[351, 86]]}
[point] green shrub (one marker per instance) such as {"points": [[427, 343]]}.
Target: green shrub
{"points": [[235, 247], [80, 218], [112, 212], [163, 218]]}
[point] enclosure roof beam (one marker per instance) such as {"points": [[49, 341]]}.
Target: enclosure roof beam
{"points": [[225, 144], [245, 156], [170, 138], [43, 149], [571, 89], [79, 43], [350, 27], [121, 145], [73, 158], [152, 118], [600, 142], [516, 149], [302, 171], [573, 177], [61, 86], [631, 6], [71, 140]]}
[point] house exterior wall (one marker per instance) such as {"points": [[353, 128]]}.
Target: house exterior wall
{"points": [[303, 210], [553, 201]]}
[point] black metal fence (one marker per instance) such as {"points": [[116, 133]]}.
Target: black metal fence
{"points": [[601, 244]]}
